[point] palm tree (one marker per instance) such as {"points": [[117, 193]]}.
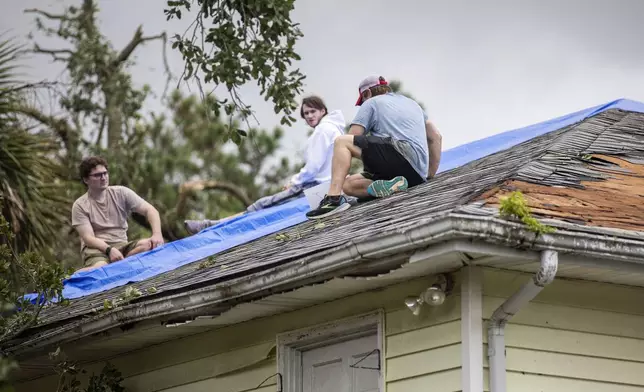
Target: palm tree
{"points": [[31, 187]]}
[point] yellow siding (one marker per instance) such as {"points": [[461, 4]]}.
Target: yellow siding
{"points": [[575, 336], [423, 350]]}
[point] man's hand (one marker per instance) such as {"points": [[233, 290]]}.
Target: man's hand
{"points": [[152, 214], [156, 240], [115, 255]]}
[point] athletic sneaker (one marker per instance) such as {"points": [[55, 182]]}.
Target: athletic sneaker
{"points": [[382, 188], [328, 206], [195, 226]]}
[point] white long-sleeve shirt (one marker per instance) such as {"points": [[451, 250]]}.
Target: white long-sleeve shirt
{"points": [[319, 149]]}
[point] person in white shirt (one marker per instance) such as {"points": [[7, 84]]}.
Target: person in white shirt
{"points": [[327, 126], [319, 147]]}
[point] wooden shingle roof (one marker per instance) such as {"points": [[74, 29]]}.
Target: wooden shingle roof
{"points": [[589, 173]]}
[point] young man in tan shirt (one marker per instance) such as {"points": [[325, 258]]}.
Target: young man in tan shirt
{"points": [[100, 217]]}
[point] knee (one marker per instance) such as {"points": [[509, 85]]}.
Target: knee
{"points": [[347, 188], [343, 140], [141, 246]]}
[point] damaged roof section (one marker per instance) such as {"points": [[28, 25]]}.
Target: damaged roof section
{"points": [[591, 175]]}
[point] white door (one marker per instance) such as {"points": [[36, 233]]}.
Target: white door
{"points": [[349, 366]]}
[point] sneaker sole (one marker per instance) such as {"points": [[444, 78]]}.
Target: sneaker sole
{"points": [[341, 208], [383, 188], [189, 229]]}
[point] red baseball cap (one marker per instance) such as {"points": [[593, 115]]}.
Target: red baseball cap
{"points": [[367, 83]]}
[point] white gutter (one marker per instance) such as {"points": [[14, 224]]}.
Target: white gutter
{"points": [[336, 262], [501, 316]]}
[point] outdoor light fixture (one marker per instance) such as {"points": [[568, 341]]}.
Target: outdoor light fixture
{"points": [[413, 303], [433, 296]]}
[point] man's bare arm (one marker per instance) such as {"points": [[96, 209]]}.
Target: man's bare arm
{"points": [[435, 144], [154, 219], [356, 130], [86, 232]]}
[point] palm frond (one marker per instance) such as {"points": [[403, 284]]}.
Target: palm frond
{"points": [[33, 196]]}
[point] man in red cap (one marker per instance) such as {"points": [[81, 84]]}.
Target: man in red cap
{"points": [[396, 142]]}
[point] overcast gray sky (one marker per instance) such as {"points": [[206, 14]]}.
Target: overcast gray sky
{"points": [[480, 68]]}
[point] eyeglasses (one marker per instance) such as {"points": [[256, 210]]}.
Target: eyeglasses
{"points": [[99, 175]]}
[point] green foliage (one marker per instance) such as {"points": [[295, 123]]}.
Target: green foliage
{"points": [[99, 95], [32, 196], [207, 263], [20, 274], [181, 163], [130, 293], [108, 380], [32, 210], [514, 205], [26, 273], [236, 41], [185, 163]]}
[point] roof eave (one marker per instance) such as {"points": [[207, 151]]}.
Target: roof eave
{"points": [[340, 261]]}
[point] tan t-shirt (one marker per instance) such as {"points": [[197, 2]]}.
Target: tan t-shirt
{"points": [[109, 216]]}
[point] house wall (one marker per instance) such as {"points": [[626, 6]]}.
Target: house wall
{"points": [[420, 351], [574, 336]]}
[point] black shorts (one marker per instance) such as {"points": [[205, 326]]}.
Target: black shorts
{"points": [[383, 162]]}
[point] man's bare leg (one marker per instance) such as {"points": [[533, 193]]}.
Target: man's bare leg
{"points": [[356, 185], [141, 246], [343, 151], [98, 264]]}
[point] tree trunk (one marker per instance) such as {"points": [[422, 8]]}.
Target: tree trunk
{"points": [[114, 120]]}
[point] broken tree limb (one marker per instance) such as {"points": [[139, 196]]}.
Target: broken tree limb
{"points": [[188, 188], [136, 40]]}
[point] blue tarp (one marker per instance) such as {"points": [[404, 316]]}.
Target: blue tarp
{"points": [[469, 152], [248, 227], [213, 240]]}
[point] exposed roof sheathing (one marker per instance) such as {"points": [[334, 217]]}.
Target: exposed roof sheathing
{"points": [[593, 175]]}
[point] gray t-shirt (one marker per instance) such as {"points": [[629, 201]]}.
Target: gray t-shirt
{"points": [[109, 216], [401, 119]]}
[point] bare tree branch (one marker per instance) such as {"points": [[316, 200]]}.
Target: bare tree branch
{"points": [[138, 39], [166, 65], [28, 86], [134, 42], [38, 49], [54, 53], [44, 13]]}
